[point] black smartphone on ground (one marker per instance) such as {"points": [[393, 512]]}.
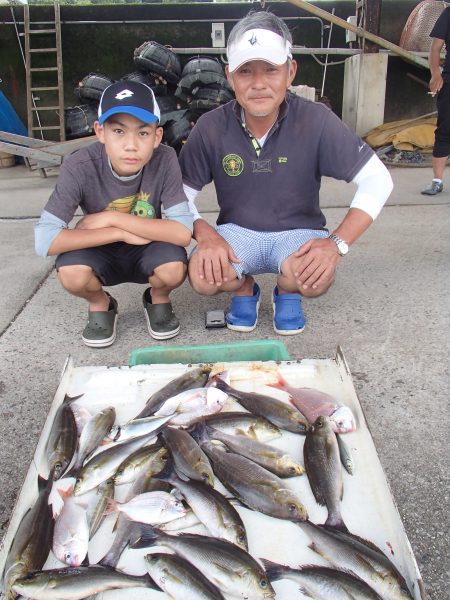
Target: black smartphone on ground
{"points": [[215, 318]]}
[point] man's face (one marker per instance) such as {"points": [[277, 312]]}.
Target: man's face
{"points": [[260, 87], [128, 141]]}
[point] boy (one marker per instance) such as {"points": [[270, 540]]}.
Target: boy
{"points": [[120, 183]]}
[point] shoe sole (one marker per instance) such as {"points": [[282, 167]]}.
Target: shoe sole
{"points": [[160, 336], [284, 331], [246, 328], [105, 342]]}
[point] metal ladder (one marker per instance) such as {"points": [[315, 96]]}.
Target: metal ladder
{"points": [[44, 82]]}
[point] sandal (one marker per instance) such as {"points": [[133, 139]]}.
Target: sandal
{"points": [[161, 320], [288, 317], [243, 313], [100, 330]]}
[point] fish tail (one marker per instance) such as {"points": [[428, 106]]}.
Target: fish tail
{"points": [[280, 384], [274, 571], [336, 522], [148, 536], [167, 473]]}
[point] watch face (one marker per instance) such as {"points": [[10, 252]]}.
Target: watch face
{"points": [[343, 248]]}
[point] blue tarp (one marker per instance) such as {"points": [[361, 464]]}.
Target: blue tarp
{"points": [[9, 121]]}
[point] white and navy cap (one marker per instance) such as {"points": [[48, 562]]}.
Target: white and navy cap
{"points": [[130, 97], [258, 44]]}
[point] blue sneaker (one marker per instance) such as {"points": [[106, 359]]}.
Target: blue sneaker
{"points": [[243, 313], [288, 317]]}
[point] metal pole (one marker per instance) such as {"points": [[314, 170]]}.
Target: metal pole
{"points": [[417, 60]]}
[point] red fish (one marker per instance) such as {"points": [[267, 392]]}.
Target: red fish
{"points": [[313, 403]]}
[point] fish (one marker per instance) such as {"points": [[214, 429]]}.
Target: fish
{"points": [[193, 405], [313, 403], [92, 434], [151, 507], [271, 458], [180, 579], [322, 582], [125, 529], [216, 513], [97, 513], [346, 456], [245, 424], [276, 411], [103, 465], [189, 459], [253, 485], [62, 439], [137, 428], [323, 468], [229, 567], [191, 379], [150, 459], [71, 531], [359, 557], [77, 582], [33, 539]]}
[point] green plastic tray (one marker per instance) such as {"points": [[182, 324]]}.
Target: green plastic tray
{"points": [[262, 350]]}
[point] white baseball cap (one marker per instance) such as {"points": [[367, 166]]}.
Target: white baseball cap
{"points": [[258, 44]]}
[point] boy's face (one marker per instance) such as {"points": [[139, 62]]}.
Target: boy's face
{"points": [[129, 142]]}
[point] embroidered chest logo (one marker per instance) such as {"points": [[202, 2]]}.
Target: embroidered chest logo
{"points": [[233, 165], [262, 166]]}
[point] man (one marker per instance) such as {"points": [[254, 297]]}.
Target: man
{"points": [[439, 84], [266, 153]]}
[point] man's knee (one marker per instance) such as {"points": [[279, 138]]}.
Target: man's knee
{"points": [[75, 278], [199, 285]]}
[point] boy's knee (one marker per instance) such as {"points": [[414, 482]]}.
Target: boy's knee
{"points": [[74, 278], [172, 274]]}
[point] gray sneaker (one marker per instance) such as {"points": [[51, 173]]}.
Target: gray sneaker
{"points": [[161, 320], [100, 330], [434, 188]]}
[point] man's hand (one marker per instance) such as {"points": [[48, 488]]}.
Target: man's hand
{"points": [[315, 263], [213, 257], [436, 83]]}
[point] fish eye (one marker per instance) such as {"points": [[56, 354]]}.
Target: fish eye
{"points": [[292, 508], [67, 555], [291, 470], [263, 583]]}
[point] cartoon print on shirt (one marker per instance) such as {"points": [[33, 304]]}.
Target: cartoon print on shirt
{"points": [[137, 204]]}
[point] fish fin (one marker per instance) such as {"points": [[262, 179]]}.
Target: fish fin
{"points": [[312, 546], [112, 506], [148, 536], [85, 562], [274, 571], [168, 472], [69, 399]]}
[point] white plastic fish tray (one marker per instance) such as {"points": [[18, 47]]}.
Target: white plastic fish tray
{"points": [[368, 507]]}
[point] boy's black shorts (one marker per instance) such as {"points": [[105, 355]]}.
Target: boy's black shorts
{"points": [[124, 263]]}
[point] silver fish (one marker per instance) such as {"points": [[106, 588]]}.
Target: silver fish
{"points": [[271, 458], [103, 465], [359, 557], [346, 456], [150, 459], [97, 514], [323, 467], [151, 507], [253, 485], [92, 434], [232, 569], [218, 515], [76, 583], [193, 405], [322, 582], [180, 579], [313, 403], [62, 440], [191, 379], [189, 459], [71, 533], [137, 428], [245, 424], [33, 539], [276, 411]]}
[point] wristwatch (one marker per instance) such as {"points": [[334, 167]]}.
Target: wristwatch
{"points": [[342, 247]]}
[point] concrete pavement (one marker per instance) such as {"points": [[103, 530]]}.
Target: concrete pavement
{"points": [[389, 310]]}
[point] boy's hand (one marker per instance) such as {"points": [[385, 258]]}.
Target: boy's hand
{"points": [[96, 220]]}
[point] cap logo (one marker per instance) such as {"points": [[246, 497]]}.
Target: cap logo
{"points": [[253, 40], [124, 94]]}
